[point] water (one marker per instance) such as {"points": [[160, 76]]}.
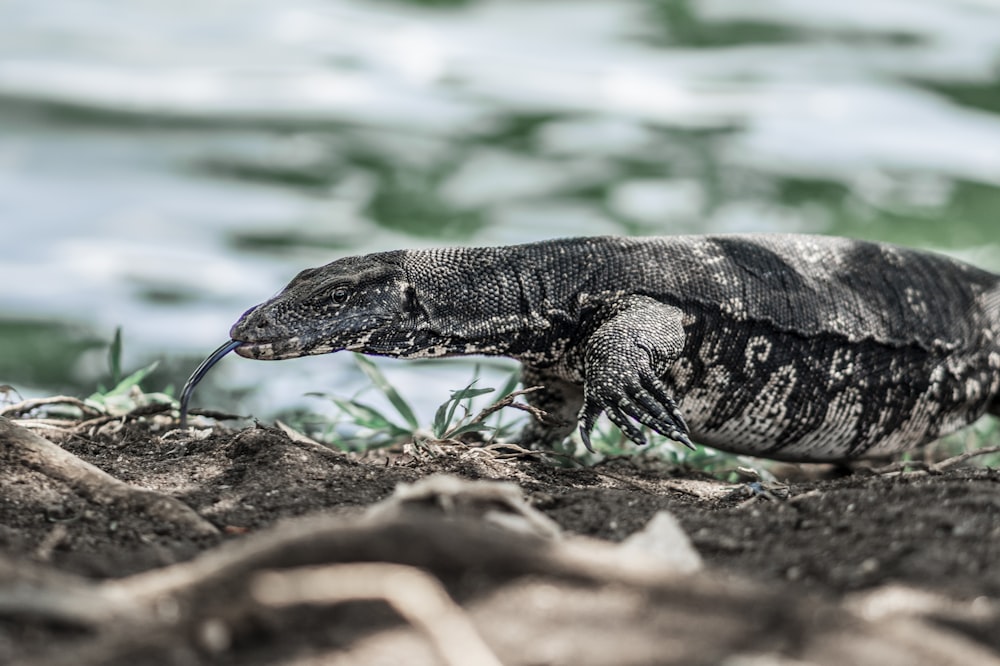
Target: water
{"points": [[165, 165]]}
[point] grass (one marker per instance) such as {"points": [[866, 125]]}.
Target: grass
{"points": [[125, 392], [122, 396], [364, 426]]}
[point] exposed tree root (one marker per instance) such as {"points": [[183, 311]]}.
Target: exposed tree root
{"points": [[203, 602], [417, 597], [497, 503], [23, 407], [20, 446]]}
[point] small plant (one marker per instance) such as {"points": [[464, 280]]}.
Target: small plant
{"points": [[125, 393], [446, 427], [124, 397], [375, 428]]}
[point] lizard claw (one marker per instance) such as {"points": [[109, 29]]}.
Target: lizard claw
{"points": [[683, 439], [641, 400], [588, 416], [585, 436]]}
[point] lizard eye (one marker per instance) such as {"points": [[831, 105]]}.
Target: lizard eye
{"points": [[340, 295]]}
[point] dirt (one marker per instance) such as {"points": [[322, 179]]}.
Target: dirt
{"points": [[863, 568]]}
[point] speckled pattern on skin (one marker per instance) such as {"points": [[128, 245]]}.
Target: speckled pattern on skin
{"points": [[785, 346]]}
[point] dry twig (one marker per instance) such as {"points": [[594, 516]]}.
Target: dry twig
{"points": [[921, 467], [948, 463]]}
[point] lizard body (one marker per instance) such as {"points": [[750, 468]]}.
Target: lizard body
{"points": [[784, 346]]}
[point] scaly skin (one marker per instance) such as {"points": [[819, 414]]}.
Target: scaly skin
{"points": [[784, 346]]}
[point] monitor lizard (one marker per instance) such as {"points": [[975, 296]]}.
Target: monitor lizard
{"points": [[795, 347]]}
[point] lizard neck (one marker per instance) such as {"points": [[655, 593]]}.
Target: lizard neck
{"points": [[527, 302]]}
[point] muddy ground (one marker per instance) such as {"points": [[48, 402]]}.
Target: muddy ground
{"points": [[250, 546]]}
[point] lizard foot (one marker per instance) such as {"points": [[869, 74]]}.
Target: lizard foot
{"points": [[626, 357], [643, 399]]}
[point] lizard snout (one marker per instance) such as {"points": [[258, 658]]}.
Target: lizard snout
{"points": [[253, 325]]}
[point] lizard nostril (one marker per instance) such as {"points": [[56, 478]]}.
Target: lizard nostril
{"points": [[259, 321]]}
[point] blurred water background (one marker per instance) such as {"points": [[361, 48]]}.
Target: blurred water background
{"points": [[165, 165]]}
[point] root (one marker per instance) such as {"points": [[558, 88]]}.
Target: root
{"points": [[25, 406], [207, 599], [400, 530], [419, 598], [19, 446], [496, 503]]}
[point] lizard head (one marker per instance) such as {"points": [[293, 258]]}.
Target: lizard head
{"points": [[363, 304]]}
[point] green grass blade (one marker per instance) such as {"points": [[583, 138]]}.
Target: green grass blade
{"points": [[467, 393], [453, 403], [123, 386], [440, 424], [134, 379], [452, 406], [512, 382], [383, 385], [368, 417], [115, 357]]}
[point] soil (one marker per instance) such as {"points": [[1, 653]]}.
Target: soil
{"points": [[859, 567]]}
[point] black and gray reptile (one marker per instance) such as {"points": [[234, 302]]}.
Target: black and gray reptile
{"points": [[783, 346]]}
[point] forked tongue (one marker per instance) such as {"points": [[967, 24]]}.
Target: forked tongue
{"points": [[200, 372]]}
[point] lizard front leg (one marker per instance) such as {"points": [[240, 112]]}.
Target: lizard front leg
{"points": [[625, 360]]}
